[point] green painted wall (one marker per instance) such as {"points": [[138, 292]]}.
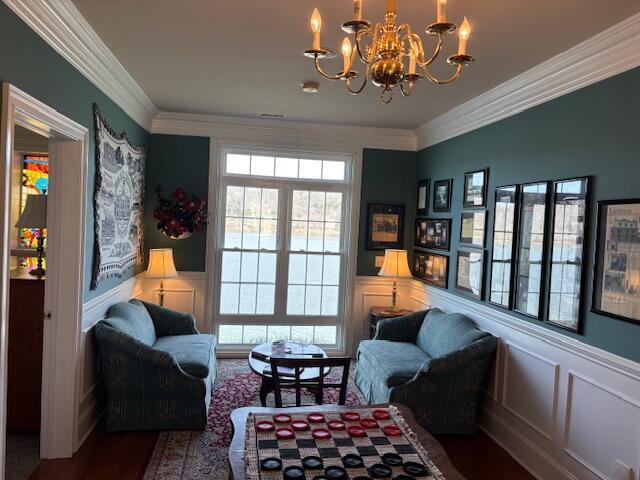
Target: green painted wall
{"points": [[29, 63], [177, 161], [388, 176], [593, 131]]}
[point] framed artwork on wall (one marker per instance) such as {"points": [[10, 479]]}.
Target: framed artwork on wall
{"points": [[442, 195], [472, 228], [531, 248], [616, 279], [423, 198], [433, 233], [475, 189], [503, 252], [470, 272], [432, 268], [385, 226], [570, 203]]}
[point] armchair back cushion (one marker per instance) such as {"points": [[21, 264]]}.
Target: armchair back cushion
{"points": [[133, 319], [443, 333]]}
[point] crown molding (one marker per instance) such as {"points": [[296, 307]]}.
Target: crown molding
{"points": [[285, 132], [63, 27], [604, 55]]}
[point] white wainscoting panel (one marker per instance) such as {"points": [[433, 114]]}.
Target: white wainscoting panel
{"points": [[560, 407]]}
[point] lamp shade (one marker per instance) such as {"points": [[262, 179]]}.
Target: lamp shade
{"points": [[161, 263], [34, 214], [395, 264]]}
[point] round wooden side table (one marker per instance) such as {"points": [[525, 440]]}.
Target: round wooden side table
{"points": [[380, 313]]}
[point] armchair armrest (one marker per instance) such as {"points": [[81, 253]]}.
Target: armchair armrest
{"points": [[400, 329], [168, 322]]}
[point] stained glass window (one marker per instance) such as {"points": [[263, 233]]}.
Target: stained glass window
{"points": [[35, 181]]}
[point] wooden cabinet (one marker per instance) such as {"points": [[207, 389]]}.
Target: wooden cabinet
{"points": [[24, 386]]}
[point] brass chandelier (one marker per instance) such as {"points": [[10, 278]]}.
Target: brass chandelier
{"points": [[384, 48]]}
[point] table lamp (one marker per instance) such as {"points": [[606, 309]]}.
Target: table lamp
{"points": [[395, 265], [34, 215], [161, 266]]}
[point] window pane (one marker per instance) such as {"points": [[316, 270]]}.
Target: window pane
{"points": [[325, 335], [230, 266], [298, 236], [252, 202], [229, 298], [311, 169], [332, 237], [278, 332], [295, 300], [248, 292], [267, 270], [297, 269], [302, 334], [233, 233], [235, 201], [329, 300], [332, 170], [287, 167], [238, 164], [230, 334], [312, 300], [334, 207], [331, 274], [314, 269], [300, 209], [254, 334], [269, 203], [266, 299], [262, 166], [316, 233], [268, 230], [249, 269], [250, 230], [316, 206]]}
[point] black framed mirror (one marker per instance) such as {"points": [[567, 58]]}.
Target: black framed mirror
{"points": [[531, 248], [570, 205], [503, 251]]}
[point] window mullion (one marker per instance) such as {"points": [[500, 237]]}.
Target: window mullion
{"points": [[284, 214]]}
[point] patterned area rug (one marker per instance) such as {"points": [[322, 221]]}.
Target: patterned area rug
{"points": [[203, 455]]}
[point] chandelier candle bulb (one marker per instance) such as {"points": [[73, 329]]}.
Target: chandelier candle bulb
{"points": [[357, 10], [465, 31], [441, 15], [412, 62], [346, 55], [391, 6], [316, 25]]}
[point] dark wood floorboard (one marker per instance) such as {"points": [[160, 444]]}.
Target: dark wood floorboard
{"points": [[124, 456], [477, 457]]}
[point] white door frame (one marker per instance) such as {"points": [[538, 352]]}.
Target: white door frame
{"points": [[68, 153]]}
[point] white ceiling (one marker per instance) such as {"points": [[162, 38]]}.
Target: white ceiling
{"points": [[243, 58]]}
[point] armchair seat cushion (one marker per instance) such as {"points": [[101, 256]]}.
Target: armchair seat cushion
{"points": [[192, 352], [393, 363]]}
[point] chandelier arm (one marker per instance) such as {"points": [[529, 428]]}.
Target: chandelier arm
{"points": [[389, 98], [442, 82], [325, 75], [426, 63], [358, 38], [364, 83], [408, 91]]}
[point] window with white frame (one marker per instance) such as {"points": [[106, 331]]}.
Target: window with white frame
{"points": [[282, 244]]}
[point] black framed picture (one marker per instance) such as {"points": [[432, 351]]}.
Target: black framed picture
{"points": [[433, 233], [616, 279], [570, 205], [385, 226], [475, 189], [503, 252], [432, 268], [470, 272], [472, 228], [423, 198], [532, 237], [442, 195]]}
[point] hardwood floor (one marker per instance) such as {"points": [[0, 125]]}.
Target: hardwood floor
{"points": [[124, 456]]}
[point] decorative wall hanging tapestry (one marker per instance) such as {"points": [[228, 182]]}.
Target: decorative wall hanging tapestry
{"points": [[118, 202]]}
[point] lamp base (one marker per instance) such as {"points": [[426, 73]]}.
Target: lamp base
{"points": [[37, 272]]}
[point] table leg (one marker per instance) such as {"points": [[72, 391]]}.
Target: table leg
{"points": [[265, 388]]}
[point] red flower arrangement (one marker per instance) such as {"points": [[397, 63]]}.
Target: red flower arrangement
{"points": [[181, 215]]}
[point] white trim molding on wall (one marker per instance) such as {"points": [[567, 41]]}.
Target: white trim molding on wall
{"points": [[563, 409], [604, 55], [63, 27]]}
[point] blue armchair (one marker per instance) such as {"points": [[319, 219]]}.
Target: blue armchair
{"points": [[158, 370], [435, 363]]}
